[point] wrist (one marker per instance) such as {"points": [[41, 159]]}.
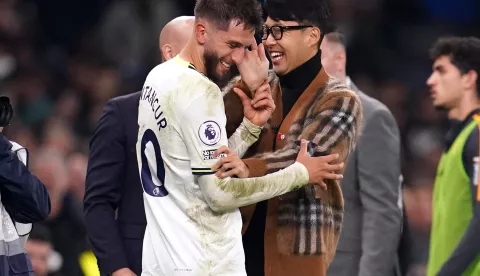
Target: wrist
{"points": [[252, 87]]}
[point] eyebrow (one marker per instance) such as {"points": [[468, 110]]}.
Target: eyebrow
{"points": [[238, 44]]}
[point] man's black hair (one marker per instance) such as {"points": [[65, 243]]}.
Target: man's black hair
{"points": [[314, 12], [464, 53], [222, 12]]}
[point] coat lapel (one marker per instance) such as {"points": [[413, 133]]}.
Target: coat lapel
{"points": [[300, 106]]}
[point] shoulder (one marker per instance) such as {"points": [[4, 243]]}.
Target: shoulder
{"points": [[335, 94], [373, 107], [125, 100], [471, 147]]}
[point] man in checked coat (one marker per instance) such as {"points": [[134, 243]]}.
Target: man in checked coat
{"points": [[295, 234]]}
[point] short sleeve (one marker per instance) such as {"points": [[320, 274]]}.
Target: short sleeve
{"points": [[202, 123]]}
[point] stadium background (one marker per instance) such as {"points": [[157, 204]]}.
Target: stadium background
{"points": [[60, 61]]}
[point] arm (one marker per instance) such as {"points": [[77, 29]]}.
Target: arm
{"points": [[334, 126], [106, 165], [245, 136], [469, 246], [228, 193], [378, 168], [24, 196]]}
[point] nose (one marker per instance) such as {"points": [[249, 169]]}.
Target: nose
{"points": [[430, 81], [237, 55]]}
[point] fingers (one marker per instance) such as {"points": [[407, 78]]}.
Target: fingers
{"points": [[303, 147], [264, 103], [322, 185], [330, 158], [243, 97], [254, 44], [261, 52], [332, 176], [223, 149], [334, 167], [259, 96]]}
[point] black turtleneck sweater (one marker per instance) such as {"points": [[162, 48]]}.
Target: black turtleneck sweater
{"points": [[293, 84]]}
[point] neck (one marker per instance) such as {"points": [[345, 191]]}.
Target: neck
{"points": [[465, 107], [191, 53], [303, 75]]}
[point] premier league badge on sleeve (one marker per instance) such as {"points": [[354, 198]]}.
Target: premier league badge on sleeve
{"points": [[209, 133]]}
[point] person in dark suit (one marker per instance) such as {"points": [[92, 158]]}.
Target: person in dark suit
{"points": [[371, 186], [113, 182]]}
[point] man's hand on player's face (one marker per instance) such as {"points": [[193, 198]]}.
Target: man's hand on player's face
{"points": [[319, 168], [253, 66], [230, 165], [259, 109]]}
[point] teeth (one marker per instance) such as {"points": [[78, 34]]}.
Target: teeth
{"points": [[276, 55], [225, 64]]}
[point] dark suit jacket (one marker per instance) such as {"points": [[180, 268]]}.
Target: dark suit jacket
{"points": [[113, 184], [371, 189]]}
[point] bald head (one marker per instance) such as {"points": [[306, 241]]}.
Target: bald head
{"points": [[174, 36], [334, 57]]}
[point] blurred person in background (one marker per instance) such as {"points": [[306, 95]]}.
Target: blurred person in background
{"points": [[371, 186], [24, 200], [65, 221], [113, 182], [39, 247], [454, 86]]}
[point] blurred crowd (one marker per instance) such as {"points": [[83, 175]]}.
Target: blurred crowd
{"points": [[60, 61]]}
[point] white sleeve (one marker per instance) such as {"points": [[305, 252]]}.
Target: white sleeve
{"points": [[203, 123], [244, 136]]}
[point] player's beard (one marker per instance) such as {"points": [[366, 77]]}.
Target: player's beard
{"points": [[212, 60]]}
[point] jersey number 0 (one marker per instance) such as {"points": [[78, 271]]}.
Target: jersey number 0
{"points": [[146, 175]]}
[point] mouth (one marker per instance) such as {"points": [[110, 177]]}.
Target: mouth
{"points": [[276, 56], [225, 64]]}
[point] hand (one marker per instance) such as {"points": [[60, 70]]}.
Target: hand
{"points": [[319, 168], [123, 272], [231, 162], [253, 66], [259, 109]]}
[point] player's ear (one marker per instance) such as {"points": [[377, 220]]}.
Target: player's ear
{"points": [[167, 51], [470, 79], [200, 32]]}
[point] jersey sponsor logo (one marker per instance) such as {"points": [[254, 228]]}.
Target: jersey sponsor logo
{"points": [[209, 133], [208, 155]]}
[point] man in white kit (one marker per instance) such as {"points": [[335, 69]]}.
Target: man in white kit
{"points": [[193, 222]]}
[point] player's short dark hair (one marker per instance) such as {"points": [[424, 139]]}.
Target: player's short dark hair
{"points": [[222, 12], [464, 53]]}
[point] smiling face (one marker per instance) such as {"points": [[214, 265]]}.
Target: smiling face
{"points": [[222, 47], [295, 46]]}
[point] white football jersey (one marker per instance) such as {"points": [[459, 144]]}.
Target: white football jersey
{"points": [[193, 221], [180, 117]]}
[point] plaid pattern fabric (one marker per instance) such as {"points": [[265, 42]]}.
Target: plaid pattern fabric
{"points": [[311, 223]]}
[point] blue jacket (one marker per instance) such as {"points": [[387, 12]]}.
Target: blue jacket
{"points": [[25, 200]]}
